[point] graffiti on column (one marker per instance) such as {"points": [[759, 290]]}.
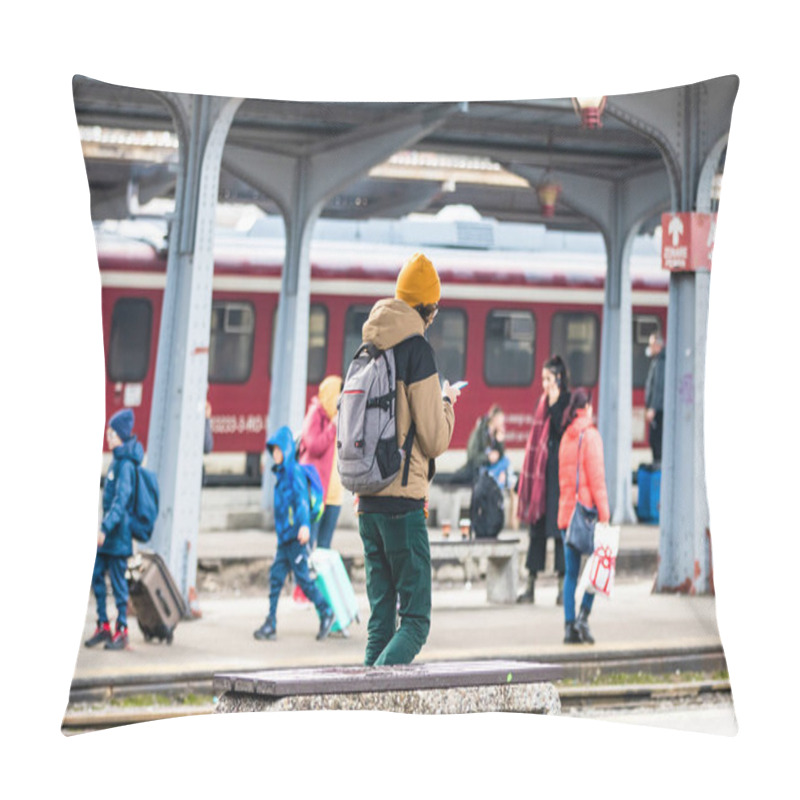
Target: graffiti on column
{"points": [[686, 389]]}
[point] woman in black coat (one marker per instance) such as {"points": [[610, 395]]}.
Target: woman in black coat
{"points": [[555, 385]]}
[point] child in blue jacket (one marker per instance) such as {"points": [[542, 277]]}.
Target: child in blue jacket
{"points": [[292, 527], [114, 544]]}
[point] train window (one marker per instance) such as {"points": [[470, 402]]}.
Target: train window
{"points": [[643, 326], [129, 346], [448, 338], [509, 348], [574, 336], [354, 320], [317, 342], [230, 350]]}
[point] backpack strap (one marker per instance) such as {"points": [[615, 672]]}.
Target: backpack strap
{"points": [[407, 445], [132, 500], [385, 401], [369, 348]]}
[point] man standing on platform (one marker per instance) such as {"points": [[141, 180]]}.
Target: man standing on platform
{"points": [[654, 394], [392, 521]]}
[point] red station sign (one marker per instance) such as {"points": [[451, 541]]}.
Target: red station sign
{"points": [[687, 241]]}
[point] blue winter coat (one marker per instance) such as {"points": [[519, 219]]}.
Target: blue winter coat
{"points": [[291, 489], [118, 499]]}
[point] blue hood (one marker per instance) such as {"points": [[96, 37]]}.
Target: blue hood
{"points": [[283, 438], [118, 497], [132, 449]]}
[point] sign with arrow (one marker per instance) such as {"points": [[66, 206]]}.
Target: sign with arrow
{"points": [[687, 241]]}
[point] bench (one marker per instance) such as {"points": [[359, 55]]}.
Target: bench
{"points": [[502, 567], [456, 687]]}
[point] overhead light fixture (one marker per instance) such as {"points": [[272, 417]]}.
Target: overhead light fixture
{"points": [[716, 186], [589, 109], [548, 194]]}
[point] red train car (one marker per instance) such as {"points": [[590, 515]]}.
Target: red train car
{"points": [[502, 314]]}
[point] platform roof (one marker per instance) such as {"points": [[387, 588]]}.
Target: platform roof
{"points": [[469, 159]]}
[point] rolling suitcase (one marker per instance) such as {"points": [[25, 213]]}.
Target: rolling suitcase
{"points": [[156, 600], [649, 482], [334, 583]]}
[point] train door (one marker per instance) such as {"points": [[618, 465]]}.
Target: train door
{"points": [[354, 319], [317, 356], [645, 323], [236, 383], [131, 345], [575, 336], [507, 341]]}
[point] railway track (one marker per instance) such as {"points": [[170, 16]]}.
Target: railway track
{"points": [[628, 681]]}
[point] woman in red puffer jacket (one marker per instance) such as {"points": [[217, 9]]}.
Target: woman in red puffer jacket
{"points": [[591, 492]]}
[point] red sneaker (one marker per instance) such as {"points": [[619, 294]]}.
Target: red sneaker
{"points": [[102, 633], [119, 641], [299, 596]]}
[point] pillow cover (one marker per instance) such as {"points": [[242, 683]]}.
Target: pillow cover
{"points": [[558, 227]]}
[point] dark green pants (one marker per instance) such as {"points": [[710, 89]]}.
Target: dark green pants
{"points": [[397, 557]]}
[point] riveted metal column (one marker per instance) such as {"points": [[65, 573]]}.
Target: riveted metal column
{"points": [[175, 438], [684, 549], [688, 124], [633, 201], [290, 353], [616, 371]]}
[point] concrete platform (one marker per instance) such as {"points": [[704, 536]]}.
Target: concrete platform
{"points": [[463, 627]]}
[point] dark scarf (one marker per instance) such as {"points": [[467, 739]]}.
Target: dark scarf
{"points": [[532, 478]]}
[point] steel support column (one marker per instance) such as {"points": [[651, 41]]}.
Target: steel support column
{"points": [[301, 183], [688, 124], [616, 367], [175, 438]]}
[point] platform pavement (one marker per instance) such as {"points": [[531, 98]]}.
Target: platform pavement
{"points": [[464, 625]]}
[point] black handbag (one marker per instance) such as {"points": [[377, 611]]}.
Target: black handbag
{"points": [[580, 531]]}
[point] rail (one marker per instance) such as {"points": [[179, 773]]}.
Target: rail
{"points": [[91, 700]]}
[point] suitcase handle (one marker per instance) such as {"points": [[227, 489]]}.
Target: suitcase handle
{"points": [[164, 603]]}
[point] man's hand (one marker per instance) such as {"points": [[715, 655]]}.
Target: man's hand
{"points": [[450, 392], [494, 456], [303, 535], [101, 537], [650, 414]]}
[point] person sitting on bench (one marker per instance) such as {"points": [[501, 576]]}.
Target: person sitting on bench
{"points": [[485, 448]]}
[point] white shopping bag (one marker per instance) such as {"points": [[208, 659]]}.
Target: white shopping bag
{"points": [[598, 574]]}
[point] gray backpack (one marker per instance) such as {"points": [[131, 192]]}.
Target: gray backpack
{"points": [[369, 455]]}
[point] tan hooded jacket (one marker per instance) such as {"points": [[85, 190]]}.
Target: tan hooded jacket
{"points": [[393, 323]]}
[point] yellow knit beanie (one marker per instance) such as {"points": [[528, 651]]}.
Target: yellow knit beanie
{"points": [[418, 282]]}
